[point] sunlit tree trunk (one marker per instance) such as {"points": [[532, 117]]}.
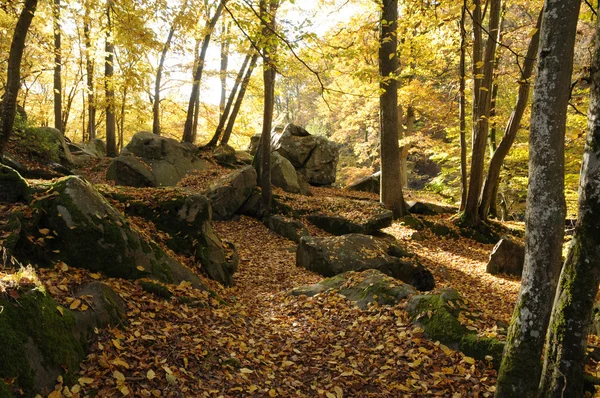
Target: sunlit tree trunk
{"points": [[224, 63], [111, 139], [89, 69], [8, 106], [462, 110], [566, 343], [510, 133], [391, 184], [57, 67], [520, 371]]}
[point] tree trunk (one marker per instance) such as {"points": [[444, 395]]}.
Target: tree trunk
{"points": [[403, 134], [89, 68], [57, 68], [391, 184], [520, 371], [188, 131], [8, 106], [510, 133], [566, 343], [481, 113], [224, 62], [462, 111], [161, 64], [225, 112], [239, 100], [267, 17], [111, 139]]}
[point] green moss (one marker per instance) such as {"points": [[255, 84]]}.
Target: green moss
{"points": [[411, 222], [5, 390], [36, 317], [480, 347], [157, 289]]}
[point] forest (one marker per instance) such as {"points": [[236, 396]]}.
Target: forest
{"points": [[320, 198]]}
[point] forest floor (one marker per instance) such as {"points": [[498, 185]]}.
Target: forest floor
{"points": [[254, 339]]}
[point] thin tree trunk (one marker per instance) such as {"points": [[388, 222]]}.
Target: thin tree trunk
{"points": [[510, 133], [566, 343], [111, 139], [224, 63], [520, 370], [462, 111], [267, 17], [89, 68], [481, 113], [239, 100], [391, 184], [161, 64], [122, 121], [225, 112], [57, 67], [188, 131], [8, 106]]}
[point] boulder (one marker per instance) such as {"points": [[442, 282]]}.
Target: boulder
{"points": [[339, 225], [106, 308], [507, 257], [283, 174], [96, 146], [442, 315], [253, 144], [186, 218], [168, 160], [296, 148], [244, 157], [130, 171], [80, 154], [428, 209], [367, 184], [304, 185], [41, 174], [363, 288], [289, 228], [320, 169], [355, 252], [252, 207], [72, 222], [225, 154], [229, 193], [55, 138], [13, 188]]}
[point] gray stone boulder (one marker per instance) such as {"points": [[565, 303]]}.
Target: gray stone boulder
{"points": [[96, 146], [253, 144], [229, 193], [331, 256], [81, 155], [168, 160], [56, 139], [186, 218], [225, 154], [106, 308], [363, 288], [339, 225], [283, 174], [429, 209], [130, 171], [320, 169], [244, 157], [72, 222], [367, 184], [296, 148], [289, 228], [507, 257], [13, 188]]}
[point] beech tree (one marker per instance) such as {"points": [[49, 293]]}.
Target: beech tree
{"points": [[58, 121], [89, 71], [8, 106], [521, 368], [111, 126]]}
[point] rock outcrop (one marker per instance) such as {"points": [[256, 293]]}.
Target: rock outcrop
{"points": [[507, 257], [367, 184], [13, 188], [331, 256], [229, 193], [339, 225], [289, 228]]}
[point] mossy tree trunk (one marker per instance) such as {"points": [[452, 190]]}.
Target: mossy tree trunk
{"points": [[566, 342], [8, 106], [521, 366]]}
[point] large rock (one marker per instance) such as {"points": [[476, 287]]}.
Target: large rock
{"points": [[253, 144], [225, 154], [130, 171], [106, 308], [96, 146], [355, 252], [72, 222], [56, 139], [367, 184], [13, 187], [168, 160], [296, 148], [339, 225], [229, 193], [186, 218], [429, 209], [363, 288], [283, 174], [289, 228], [507, 257], [320, 169]]}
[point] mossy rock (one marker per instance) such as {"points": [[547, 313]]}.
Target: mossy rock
{"points": [[5, 390], [72, 222], [438, 314], [441, 229], [37, 342], [483, 234], [411, 222], [13, 187], [156, 289]]}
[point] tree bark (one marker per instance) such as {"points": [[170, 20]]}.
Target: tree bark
{"points": [[8, 106], [402, 134], [481, 113], [239, 100], [188, 131], [111, 139], [462, 110], [268, 9], [224, 63], [57, 67], [510, 133], [89, 69], [391, 183], [566, 342], [520, 371]]}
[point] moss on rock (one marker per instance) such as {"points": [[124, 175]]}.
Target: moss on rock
{"points": [[157, 289]]}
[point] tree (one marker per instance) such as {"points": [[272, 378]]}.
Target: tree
{"points": [[89, 71], [58, 121], [8, 106], [566, 342], [391, 184], [111, 134], [462, 110], [520, 370]]}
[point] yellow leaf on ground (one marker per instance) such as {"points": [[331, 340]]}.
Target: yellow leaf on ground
{"points": [[273, 393], [55, 394], [245, 370], [84, 380], [76, 303], [60, 309], [150, 374], [118, 375], [117, 343]]}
